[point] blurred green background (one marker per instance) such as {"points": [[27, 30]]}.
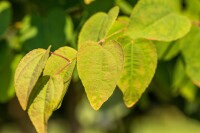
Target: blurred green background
{"points": [[171, 104]]}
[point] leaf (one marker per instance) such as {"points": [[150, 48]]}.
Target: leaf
{"points": [[179, 77], [116, 50], [189, 47], [44, 99], [193, 9], [157, 20], [118, 28], [97, 26], [28, 72], [5, 16], [98, 71], [139, 68], [56, 63], [125, 7], [167, 50], [189, 91]]}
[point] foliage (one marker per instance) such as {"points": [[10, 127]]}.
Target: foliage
{"points": [[118, 49]]}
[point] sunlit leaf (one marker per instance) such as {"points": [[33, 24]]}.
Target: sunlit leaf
{"points": [[58, 65], [116, 50], [28, 72], [97, 27], [139, 68], [118, 28], [98, 71], [44, 99], [157, 20]]}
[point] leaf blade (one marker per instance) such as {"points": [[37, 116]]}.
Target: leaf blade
{"points": [[139, 68], [157, 20], [44, 100], [97, 26], [98, 73], [27, 73]]}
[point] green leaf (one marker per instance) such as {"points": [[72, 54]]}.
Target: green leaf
{"points": [[179, 77], [192, 9], [167, 50], [99, 70], [97, 27], [55, 64], [139, 68], [28, 72], [189, 91], [5, 16], [44, 99], [189, 47], [157, 20]]}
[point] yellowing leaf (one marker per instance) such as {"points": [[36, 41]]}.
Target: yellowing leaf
{"points": [[55, 64], [118, 28], [44, 99], [139, 68], [99, 70], [157, 20], [97, 26], [28, 72], [116, 50]]}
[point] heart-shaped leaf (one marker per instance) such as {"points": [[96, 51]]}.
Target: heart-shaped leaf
{"points": [[99, 70], [28, 72], [157, 20], [139, 68], [56, 64], [44, 99], [97, 27]]}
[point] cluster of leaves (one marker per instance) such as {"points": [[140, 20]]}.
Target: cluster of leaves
{"points": [[112, 51]]}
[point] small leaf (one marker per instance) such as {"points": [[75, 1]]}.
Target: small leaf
{"points": [[189, 47], [44, 99], [28, 72], [118, 28], [5, 16], [157, 20], [139, 68], [98, 70], [97, 26], [56, 63]]}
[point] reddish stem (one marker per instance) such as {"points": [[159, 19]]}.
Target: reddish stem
{"points": [[60, 56]]}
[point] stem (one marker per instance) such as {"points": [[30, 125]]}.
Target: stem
{"points": [[62, 68], [103, 40], [60, 56], [196, 23], [68, 62]]}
